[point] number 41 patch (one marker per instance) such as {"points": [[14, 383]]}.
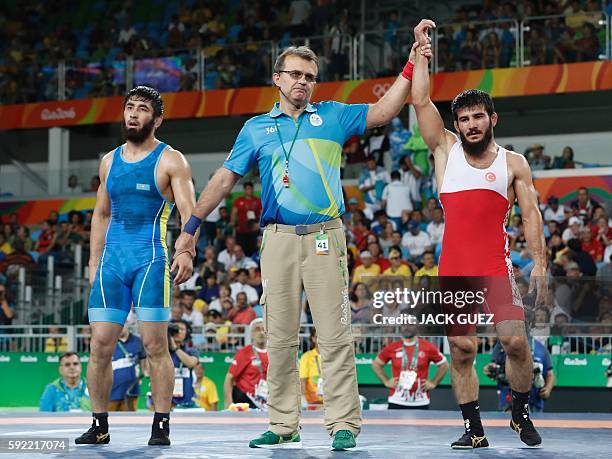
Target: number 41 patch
{"points": [[322, 244]]}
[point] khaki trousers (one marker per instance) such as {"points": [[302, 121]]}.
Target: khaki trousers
{"points": [[289, 263]]}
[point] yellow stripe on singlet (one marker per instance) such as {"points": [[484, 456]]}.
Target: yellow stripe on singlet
{"points": [[163, 223]]}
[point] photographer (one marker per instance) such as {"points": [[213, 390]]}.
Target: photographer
{"points": [[543, 376], [185, 360]]}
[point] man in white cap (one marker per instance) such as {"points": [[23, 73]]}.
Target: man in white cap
{"points": [[367, 269]]}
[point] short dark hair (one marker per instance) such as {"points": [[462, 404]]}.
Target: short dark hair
{"points": [[247, 184], [303, 52], [395, 175], [185, 293], [65, 355], [148, 94], [472, 98]]}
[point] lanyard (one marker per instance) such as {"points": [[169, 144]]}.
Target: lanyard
{"points": [[287, 155], [257, 360], [123, 349], [415, 356]]}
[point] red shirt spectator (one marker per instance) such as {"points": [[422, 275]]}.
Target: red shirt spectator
{"points": [[245, 208], [401, 355], [46, 240], [248, 368], [591, 245], [243, 316]]}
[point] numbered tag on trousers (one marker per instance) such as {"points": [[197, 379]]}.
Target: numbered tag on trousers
{"points": [[322, 244], [178, 388]]}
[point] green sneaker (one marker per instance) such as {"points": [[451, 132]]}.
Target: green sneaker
{"points": [[271, 440], [343, 440]]}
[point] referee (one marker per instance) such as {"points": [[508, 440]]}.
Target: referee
{"points": [[297, 147]]}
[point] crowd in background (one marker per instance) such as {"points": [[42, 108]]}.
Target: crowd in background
{"points": [[394, 225], [94, 40]]}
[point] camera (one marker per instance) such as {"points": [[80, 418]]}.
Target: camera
{"points": [[538, 378], [173, 329], [498, 373]]}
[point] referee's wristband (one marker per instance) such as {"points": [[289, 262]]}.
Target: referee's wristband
{"points": [[192, 225]]}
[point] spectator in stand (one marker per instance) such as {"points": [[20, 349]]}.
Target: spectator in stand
{"points": [[397, 268], [311, 376], [339, 45], [73, 185], [588, 44], [299, 13], [94, 184], [176, 31], [584, 206], [409, 385], [210, 263], [126, 35], [6, 311], [536, 158], [470, 53], [603, 232], [245, 381], [566, 160], [129, 360], [591, 245], [226, 256], [242, 313], [18, 257], [573, 229], [242, 261], [245, 210], [372, 183], [396, 197], [412, 177], [435, 228], [377, 255], [5, 246], [47, 238], [223, 228], [211, 290], [429, 266], [186, 300], [367, 269], [491, 51], [56, 343], [537, 45], [398, 136], [386, 237], [217, 304], [380, 224], [376, 144], [583, 259], [69, 391], [554, 211], [206, 393], [361, 300], [416, 241], [242, 286]]}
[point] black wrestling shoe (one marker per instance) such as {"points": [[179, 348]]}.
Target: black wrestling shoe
{"points": [[470, 441], [160, 433], [94, 436], [529, 435]]}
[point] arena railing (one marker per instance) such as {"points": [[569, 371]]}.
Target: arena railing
{"points": [[364, 55], [228, 338]]}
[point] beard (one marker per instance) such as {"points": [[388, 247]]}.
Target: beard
{"points": [[138, 136], [478, 148]]}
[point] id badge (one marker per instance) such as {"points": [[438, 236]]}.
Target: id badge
{"points": [[322, 244], [261, 390], [178, 388], [407, 379], [320, 387]]}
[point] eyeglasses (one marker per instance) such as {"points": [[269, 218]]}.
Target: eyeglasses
{"points": [[394, 258], [298, 74]]}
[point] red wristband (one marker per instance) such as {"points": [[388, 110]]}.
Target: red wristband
{"points": [[408, 69]]}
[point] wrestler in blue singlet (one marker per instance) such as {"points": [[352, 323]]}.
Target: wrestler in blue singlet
{"points": [[134, 266]]}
